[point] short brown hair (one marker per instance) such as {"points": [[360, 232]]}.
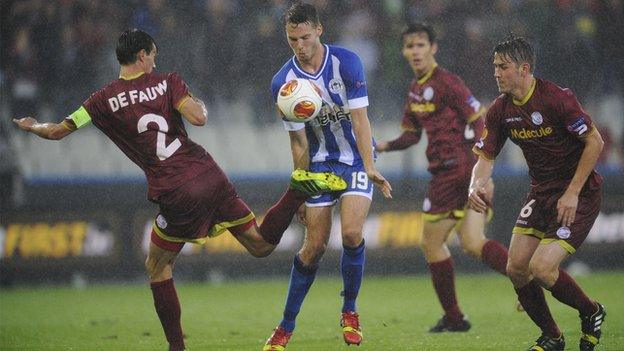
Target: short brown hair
{"points": [[300, 12], [517, 49]]}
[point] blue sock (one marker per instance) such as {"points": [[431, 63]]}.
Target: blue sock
{"points": [[301, 278], [352, 267]]}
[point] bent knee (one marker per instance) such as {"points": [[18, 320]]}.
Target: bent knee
{"points": [[517, 272], [312, 254], [352, 238], [157, 272], [542, 270], [431, 243], [261, 251], [472, 248]]}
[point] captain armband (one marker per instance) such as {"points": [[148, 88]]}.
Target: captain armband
{"points": [[80, 117]]}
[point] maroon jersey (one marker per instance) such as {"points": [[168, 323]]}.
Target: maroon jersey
{"points": [[441, 103], [139, 115], [547, 126]]}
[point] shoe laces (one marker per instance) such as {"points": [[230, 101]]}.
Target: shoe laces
{"points": [[280, 337], [351, 319]]}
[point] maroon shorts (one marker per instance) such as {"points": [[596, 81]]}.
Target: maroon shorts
{"points": [[447, 195], [538, 217], [205, 206]]}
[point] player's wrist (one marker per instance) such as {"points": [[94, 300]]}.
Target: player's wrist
{"points": [[573, 190]]}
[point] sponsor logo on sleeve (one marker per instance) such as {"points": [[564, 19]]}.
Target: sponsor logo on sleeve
{"points": [[537, 118], [360, 83], [484, 134], [474, 103], [579, 126]]}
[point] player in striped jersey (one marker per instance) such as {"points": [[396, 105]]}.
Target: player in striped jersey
{"points": [[339, 139]]}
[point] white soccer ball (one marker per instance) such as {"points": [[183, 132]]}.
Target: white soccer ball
{"points": [[299, 100]]}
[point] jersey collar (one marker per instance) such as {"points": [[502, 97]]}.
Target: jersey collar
{"points": [[131, 77], [527, 96], [320, 70], [427, 75]]}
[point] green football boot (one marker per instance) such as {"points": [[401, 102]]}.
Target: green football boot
{"points": [[313, 184]]}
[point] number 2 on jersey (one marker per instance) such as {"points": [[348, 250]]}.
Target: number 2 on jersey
{"points": [[163, 151]]}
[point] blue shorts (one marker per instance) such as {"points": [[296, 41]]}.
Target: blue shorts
{"points": [[355, 176]]}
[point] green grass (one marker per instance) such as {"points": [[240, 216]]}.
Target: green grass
{"points": [[396, 313]]}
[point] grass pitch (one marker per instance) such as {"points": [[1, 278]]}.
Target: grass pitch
{"points": [[395, 314]]}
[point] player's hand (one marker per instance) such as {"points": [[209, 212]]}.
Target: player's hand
{"points": [[301, 215], [203, 106], [566, 208], [25, 123], [477, 195], [381, 182], [381, 146]]}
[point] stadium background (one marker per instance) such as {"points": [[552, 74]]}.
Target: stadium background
{"points": [[76, 210]]}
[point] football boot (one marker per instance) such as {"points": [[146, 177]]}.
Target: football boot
{"points": [[547, 343], [278, 340], [312, 183], [351, 331], [446, 325], [590, 328]]}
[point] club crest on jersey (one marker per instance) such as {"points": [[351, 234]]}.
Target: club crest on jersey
{"points": [[563, 232], [336, 86], [428, 93], [537, 118]]}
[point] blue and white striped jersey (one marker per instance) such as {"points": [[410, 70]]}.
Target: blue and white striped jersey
{"points": [[343, 86]]}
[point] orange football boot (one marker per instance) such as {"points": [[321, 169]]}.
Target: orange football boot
{"points": [[278, 340], [351, 332]]}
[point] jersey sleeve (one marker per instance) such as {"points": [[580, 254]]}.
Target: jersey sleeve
{"points": [[276, 84], [410, 123], [493, 136], [574, 118], [91, 110], [352, 72], [179, 90], [460, 99]]}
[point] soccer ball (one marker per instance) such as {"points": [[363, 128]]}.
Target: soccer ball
{"points": [[299, 100]]}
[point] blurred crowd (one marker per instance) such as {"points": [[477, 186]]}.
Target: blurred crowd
{"points": [[55, 52]]}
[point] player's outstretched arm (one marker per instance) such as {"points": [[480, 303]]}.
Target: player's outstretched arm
{"points": [[478, 192], [364, 140], [50, 131], [407, 139], [194, 110]]}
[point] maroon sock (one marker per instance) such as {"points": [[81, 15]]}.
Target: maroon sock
{"points": [[495, 255], [444, 284], [567, 291], [280, 215], [531, 296], [168, 310]]}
